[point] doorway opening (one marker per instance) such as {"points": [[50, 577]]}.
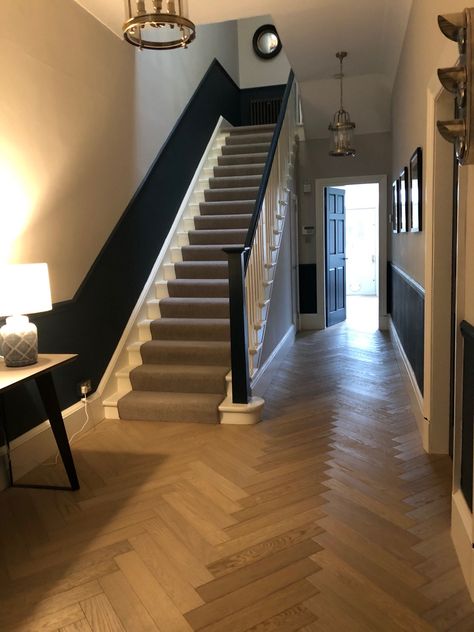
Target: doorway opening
{"points": [[351, 251], [362, 251]]}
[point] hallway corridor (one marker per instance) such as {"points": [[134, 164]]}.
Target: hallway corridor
{"points": [[327, 517]]}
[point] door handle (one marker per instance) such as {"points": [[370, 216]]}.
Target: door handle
{"points": [[344, 258]]}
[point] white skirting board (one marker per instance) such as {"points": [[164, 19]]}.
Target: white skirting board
{"points": [[311, 321], [416, 398], [264, 376], [37, 445]]}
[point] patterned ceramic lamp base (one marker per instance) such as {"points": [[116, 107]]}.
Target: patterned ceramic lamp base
{"points": [[19, 342]]}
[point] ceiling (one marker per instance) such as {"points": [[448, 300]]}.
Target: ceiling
{"points": [[372, 31]]}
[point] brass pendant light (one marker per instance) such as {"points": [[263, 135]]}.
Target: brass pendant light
{"points": [[342, 127], [158, 24]]}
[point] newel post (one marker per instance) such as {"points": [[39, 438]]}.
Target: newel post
{"points": [[238, 325]]}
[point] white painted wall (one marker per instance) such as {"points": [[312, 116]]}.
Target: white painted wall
{"points": [[254, 71]]}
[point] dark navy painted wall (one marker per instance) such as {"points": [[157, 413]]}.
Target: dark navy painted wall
{"points": [[406, 303], [308, 288], [467, 412], [92, 322]]}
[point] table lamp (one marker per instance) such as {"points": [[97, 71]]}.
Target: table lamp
{"points": [[24, 289]]}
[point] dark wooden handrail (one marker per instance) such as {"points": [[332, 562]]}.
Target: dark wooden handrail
{"points": [[267, 169]]}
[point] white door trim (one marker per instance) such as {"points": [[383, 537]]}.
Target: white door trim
{"points": [[320, 185]]}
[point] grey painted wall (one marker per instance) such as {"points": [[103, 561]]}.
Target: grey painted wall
{"points": [[373, 158]]}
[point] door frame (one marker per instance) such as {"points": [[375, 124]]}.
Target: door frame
{"points": [[438, 275], [320, 243]]}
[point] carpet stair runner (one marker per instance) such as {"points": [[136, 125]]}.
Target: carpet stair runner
{"points": [[183, 375]]}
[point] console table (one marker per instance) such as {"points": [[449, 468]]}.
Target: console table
{"points": [[10, 377]]}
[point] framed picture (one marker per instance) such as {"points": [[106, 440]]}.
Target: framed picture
{"points": [[394, 217], [403, 211], [416, 191]]}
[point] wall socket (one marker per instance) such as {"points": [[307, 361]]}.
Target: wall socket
{"points": [[85, 387]]}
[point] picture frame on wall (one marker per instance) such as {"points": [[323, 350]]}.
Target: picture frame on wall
{"points": [[394, 217], [416, 191], [403, 220]]}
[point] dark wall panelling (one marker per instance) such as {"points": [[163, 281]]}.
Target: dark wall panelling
{"points": [[467, 412], [307, 288], [407, 303], [389, 287], [92, 322], [263, 101]]}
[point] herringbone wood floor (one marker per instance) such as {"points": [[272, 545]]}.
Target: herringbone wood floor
{"points": [[326, 517]]}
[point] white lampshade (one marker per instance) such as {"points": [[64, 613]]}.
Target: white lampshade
{"points": [[24, 289]]}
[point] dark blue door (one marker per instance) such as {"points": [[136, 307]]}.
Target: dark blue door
{"points": [[335, 212]]}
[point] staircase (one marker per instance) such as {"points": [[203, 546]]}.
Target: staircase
{"points": [[184, 366]]}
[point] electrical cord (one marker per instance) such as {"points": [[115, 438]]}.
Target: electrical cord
{"points": [[86, 410]]}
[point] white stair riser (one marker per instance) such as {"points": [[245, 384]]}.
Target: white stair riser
{"points": [[169, 272], [134, 357], [153, 309], [161, 289], [183, 239], [189, 223], [144, 333], [111, 412], [123, 383], [176, 255]]}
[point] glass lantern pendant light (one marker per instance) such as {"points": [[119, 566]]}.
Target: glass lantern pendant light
{"points": [[158, 24], [342, 127]]}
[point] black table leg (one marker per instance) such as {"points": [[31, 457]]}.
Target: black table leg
{"points": [[3, 426], [53, 410]]}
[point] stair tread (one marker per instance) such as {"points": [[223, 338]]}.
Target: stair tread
{"points": [[179, 378], [256, 136], [221, 232], [186, 344], [250, 148], [193, 300], [190, 328], [233, 190], [230, 182], [171, 407], [233, 207], [222, 222], [223, 216], [242, 129], [212, 236], [259, 157], [226, 171], [230, 194], [206, 252], [178, 369], [199, 282], [185, 398]]}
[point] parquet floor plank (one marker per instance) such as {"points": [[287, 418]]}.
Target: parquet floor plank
{"points": [[78, 626], [100, 615], [326, 517]]}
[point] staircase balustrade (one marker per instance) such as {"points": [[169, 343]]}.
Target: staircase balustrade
{"points": [[252, 267]]}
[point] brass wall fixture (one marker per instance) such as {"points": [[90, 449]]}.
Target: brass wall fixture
{"points": [[158, 24], [341, 126], [458, 80]]}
